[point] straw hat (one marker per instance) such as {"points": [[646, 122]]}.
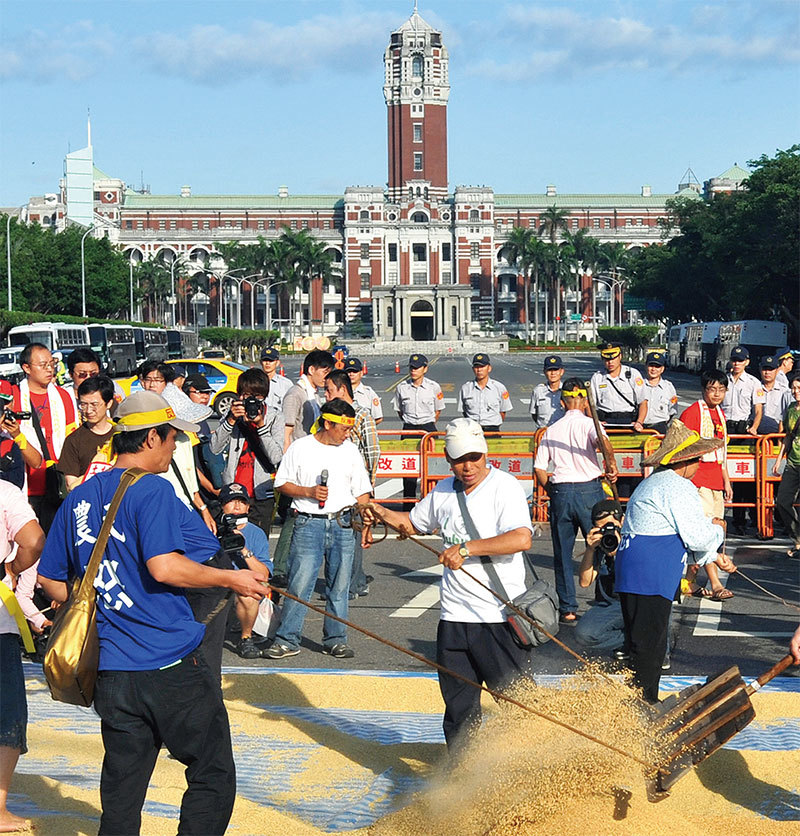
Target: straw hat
{"points": [[681, 444]]}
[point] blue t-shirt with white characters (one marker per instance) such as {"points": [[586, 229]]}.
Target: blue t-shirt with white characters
{"points": [[142, 624]]}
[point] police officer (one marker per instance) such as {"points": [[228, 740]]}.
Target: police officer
{"points": [[418, 403], [662, 399], [278, 385], [777, 397], [785, 359], [743, 407], [484, 400], [546, 407], [619, 391], [363, 395]]}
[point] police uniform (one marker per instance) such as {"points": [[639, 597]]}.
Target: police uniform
{"points": [[662, 399], [781, 379], [777, 399], [366, 397], [278, 385], [618, 398], [740, 399], [485, 405], [546, 407], [417, 407]]}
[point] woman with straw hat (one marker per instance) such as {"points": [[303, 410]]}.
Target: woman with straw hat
{"points": [[664, 520]]}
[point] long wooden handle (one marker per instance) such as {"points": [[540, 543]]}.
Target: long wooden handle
{"points": [[777, 668], [608, 458]]}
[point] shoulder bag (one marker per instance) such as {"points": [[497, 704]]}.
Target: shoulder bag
{"points": [[55, 481], [539, 602], [73, 649]]}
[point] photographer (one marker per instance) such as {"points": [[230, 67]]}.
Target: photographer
{"points": [[252, 435], [601, 628], [248, 547]]}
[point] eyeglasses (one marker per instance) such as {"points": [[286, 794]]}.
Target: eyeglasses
{"points": [[51, 365], [154, 380], [89, 407], [84, 375]]}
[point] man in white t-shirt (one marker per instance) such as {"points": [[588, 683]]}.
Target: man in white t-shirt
{"points": [[474, 638], [323, 473]]}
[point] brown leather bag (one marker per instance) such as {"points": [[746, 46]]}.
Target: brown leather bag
{"points": [[73, 650]]}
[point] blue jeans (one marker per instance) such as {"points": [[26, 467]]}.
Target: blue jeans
{"points": [[315, 539], [570, 508]]}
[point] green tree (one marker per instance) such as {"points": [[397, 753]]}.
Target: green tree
{"points": [[552, 222], [519, 251]]}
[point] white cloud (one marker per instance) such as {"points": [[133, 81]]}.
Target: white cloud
{"points": [[216, 54], [75, 53], [568, 41]]}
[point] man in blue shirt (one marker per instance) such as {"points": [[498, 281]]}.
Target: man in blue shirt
{"points": [[154, 686]]}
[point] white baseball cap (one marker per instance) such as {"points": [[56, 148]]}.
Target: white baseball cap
{"points": [[464, 436]]}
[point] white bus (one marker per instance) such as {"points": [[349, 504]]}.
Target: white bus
{"points": [[57, 336], [759, 336]]}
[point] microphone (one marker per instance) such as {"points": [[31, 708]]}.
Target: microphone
{"points": [[323, 480]]}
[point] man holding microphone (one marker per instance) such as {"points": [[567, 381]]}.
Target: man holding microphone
{"points": [[323, 473]]}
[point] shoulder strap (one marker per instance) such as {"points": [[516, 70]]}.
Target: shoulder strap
{"points": [[37, 427], [469, 524], [614, 387], [129, 477], [176, 470]]}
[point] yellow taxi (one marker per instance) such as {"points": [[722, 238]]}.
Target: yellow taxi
{"points": [[221, 375]]}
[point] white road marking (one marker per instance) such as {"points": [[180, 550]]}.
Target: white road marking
{"points": [[424, 600], [710, 614], [388, 488]]}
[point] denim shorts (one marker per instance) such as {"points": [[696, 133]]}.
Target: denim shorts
{"points": [[13, 705]]}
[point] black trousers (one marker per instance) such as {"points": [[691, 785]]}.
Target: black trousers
{"points": [[181, 707], [494, 428], [45, 510], [484, 653], [410, 483], [646, 621], [261, 513]]}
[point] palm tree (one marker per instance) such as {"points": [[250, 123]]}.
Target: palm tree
{"points": [[153, 279], [583, 254], [518, 251], [551, 222]]}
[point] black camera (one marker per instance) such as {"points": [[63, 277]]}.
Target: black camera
{"points": [[18, 416], [253, 407], [231, 539], [609, 538]]}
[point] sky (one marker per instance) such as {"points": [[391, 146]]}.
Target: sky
{"points": [[242, 97]]}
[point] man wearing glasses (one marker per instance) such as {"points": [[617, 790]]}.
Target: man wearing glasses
{"points": [[53, 417], [95, 399], [82, 364]]}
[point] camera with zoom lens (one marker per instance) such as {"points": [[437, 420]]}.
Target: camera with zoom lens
{"points": [[609, 538], [231, 539], [24, 415], [253, 407]]}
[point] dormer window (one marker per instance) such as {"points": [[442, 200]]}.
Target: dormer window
{"points": [[417, 65]]}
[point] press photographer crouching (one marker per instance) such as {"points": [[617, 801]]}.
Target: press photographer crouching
{"points": [[601, 628], [252, 438], [248, 548]]}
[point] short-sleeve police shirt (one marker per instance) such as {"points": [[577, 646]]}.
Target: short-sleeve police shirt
{"points": [[742, 395], [546, 407], [418, 404], [278, 387], [611, 392], [662, 401], [366, 397], [486, 406]]}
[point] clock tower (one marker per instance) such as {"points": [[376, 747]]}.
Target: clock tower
{"points": [[416, 89]]}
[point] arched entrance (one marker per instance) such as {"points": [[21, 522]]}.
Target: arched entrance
{"points": [[421, 320]]}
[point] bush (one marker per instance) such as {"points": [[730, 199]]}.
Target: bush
{"points": [[634, 337]]}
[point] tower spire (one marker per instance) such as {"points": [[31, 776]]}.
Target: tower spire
{"points": [[88, 127]]}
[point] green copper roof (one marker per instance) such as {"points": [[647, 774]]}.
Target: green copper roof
{"points": [[134, 200], [97, 174], [580, 201], [735, 172]]}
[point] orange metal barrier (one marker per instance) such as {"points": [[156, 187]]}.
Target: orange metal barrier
{"points": [[767, 449], [399, 458]]}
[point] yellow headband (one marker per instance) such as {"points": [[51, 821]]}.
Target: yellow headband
{"points": [[345, 420], [682, 446], [146, 419], [574, 393], [610, 353]]}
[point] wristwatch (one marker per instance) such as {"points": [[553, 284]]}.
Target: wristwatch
{"points": [[463, 551]]}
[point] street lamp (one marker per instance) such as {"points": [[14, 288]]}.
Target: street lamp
{"points": [[83, 270], [267, 307], [239, 282], [8, 250]]}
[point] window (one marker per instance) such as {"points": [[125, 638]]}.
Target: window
{"points": [[418, 161], [363, 215], [206, 224], [474, 215], [162, 224], [417, 66], [574, 223], [475, 250], [272, 224], [419, 278], [417, 132], [365, 251], [454, 315], [628, 222], [173, 224], [128, 224], [596, 223], [420, 252], [260, 224], [97, 195], [447, 277], [392, 252], [294, 224], [194, 224], [419, 218], [327, 224], [389, 318], [365, 281], [446, 251], [606, 223]]}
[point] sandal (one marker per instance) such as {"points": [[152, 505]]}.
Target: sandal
{"points": [[568, 617], [699, 592], [721, 594]]}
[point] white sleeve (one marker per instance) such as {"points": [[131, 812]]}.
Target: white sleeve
{"points": [[542, 459], [423, 514], [505, 399], [511, 507], [359, 478], [460, 404]]}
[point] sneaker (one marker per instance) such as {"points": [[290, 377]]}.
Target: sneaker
{"points": [[363, 591], [621, 655], [279, 651], [351, 596], [370, 579], [666, 664], [339, 651], [247, 649]]}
